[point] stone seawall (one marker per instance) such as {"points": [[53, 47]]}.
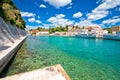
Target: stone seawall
{"points": [[9, 32], [11, 38]]}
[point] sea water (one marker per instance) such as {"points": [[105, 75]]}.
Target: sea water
{"points": [[82, 59]]}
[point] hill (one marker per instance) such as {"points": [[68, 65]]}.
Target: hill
{"points": [[10, 13]]}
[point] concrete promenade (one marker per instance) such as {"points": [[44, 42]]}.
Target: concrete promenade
{"points": [[55, 72], [8, 50]]}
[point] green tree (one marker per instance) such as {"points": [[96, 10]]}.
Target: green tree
{"points": [[108, 29], [77, 27], [12, 21], [4, 13], [66, 27], [58, 29]]}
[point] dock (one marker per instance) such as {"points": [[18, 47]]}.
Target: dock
{"points": [[55, 72]]}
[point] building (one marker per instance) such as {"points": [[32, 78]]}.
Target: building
{"points": [[34, 31], [73, 30], [94, 30], [70, 28], [45, 32], [115, 28], [105, 32], [60, 33]]}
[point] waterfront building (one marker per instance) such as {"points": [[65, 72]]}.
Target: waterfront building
{"points": [[115, 34], [95, 31], [45, 32], [60, 33], [73, 30], [34, 31], [115, 28], [69, 28]]}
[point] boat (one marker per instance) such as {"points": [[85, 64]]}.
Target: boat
{"points": [[85, 35], [111, 37]]}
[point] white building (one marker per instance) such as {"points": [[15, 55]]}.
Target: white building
{"points": [[43, 33]]}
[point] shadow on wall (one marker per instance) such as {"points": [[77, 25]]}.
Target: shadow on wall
{"points": [[9, 32], [4, 47]]}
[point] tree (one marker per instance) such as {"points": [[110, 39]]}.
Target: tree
{"points": [[1, 2], [7, 1], [12, 21], [66, 27], [108, 29], [77, 27], [58, 29]]}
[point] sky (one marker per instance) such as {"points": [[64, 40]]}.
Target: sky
{"points": [[52, 13]]}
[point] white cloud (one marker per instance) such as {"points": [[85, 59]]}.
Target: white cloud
{"points": [[115, 16], [59, 20], [58, 3], [98, 1], [38, 21], [77, 15], [103, 9], [38, 17], [117, 9], [108, 4], [60, 16], [42, 6], [82, 18], [69, 7], [31, 19], [46, 26], [112, 21], [34, 20], [27, 14], [31, 27], [86, 23], [96, 15], [71, 4]]}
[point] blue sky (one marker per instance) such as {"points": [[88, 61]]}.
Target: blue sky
{"points": [[51, 13]]}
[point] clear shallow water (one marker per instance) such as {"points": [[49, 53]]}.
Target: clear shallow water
{"points": [[83, 59]]}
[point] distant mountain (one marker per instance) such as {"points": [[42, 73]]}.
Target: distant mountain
{"points": [[10, 13]]}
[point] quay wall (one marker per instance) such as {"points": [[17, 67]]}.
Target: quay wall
{"points": [[11, 39]]}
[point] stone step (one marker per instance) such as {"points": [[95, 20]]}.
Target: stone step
{"points": [[55, 72]]}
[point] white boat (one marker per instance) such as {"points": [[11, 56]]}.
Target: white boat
{"points": [[111, 37], [85, 35]]}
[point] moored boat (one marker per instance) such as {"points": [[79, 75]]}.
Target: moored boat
{"points": [[85, 35], [111, 37]]}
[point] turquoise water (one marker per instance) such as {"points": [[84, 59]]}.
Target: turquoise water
{"points": [[83, 59]]}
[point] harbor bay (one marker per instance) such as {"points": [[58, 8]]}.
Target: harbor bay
{"points": [[90, 59]]}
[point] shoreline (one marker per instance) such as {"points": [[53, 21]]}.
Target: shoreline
{"points": [[80, 37]]}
